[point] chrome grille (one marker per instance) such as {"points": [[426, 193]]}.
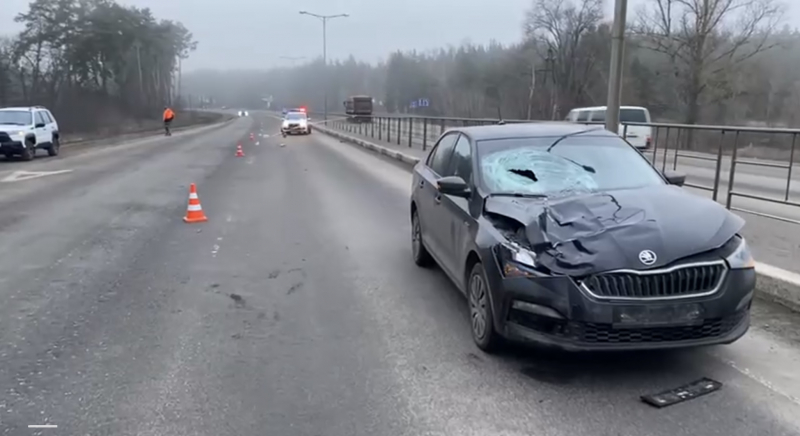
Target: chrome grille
{"points": [[682, 281]]}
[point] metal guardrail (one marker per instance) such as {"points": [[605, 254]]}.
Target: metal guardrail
{"points": [[718, 149]]}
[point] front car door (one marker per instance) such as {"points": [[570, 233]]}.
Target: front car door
{"points": [[429, 198], [455, 211]]}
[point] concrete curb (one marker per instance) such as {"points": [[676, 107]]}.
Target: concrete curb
{"points": [[131, 136], [406, 159], [774, 284], [142, 133]]}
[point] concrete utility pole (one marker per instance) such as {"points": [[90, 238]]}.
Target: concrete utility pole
{"points": [[617, 64], [324, 19]]}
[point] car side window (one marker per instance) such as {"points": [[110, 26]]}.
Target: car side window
{"points": [[583, 116], [440, 158], [39, 119], [47, 118], [461, 162], [599, 115]]}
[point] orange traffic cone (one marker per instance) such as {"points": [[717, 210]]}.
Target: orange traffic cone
{"points": [[239, 151], [194, 212]]}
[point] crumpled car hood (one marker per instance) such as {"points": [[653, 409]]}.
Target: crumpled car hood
{"points": [[592, 233]]}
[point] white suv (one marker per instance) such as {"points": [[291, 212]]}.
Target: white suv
{"points": [[23, 130]]}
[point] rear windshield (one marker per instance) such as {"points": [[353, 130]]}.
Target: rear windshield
{"points": [[632, 116], [19, 118]]}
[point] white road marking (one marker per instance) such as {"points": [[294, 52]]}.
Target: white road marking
{"points": [[18, 176], [42, 426]]}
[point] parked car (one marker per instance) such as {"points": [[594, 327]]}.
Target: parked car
{"points": [[23, 130], [630, 118], [564, 235], [295, 123]]}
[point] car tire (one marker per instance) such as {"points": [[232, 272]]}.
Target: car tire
{"points": [[55, 146], [421, 255], [28, 152], [481, 317]]}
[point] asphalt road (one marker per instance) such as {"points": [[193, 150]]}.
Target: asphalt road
{"points": [[296, 310]]}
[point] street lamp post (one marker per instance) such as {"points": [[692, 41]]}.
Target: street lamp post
{"points": [[324, 19]]}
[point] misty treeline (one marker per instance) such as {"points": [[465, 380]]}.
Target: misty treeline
{"points": [[92, 62], [694, 61]]}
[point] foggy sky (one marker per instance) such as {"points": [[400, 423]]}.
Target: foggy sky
{"points": [[255, 34]]}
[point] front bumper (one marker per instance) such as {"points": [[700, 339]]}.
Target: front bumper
{"points": [[11, 147], [295, 129], [556, 312]]}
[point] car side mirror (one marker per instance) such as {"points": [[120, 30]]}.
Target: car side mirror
{"points": [[675, 178], [454, 185], [39, 125]]}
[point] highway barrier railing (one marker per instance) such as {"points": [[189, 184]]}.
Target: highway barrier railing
{"points": [[751, 164]]}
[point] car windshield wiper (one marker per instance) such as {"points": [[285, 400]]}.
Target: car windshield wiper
{"points": [[557, 141], [517, 194]]}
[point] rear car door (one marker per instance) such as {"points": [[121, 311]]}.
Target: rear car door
{"points": [[454, 211], [429, 198]]}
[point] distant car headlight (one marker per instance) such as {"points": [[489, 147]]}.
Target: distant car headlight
{"points": [[741, 258], [21, 133], [516, 261]]}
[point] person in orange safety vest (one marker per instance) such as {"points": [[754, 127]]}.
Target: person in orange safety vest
{"points": [[169, 115]]}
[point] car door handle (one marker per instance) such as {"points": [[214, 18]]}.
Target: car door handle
{"points": [[421, 184], [438, 198]]}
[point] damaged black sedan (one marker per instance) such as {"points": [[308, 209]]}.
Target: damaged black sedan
{"points": [[566, 236]]}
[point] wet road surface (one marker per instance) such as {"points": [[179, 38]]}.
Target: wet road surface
{"points": [[296, 310]]}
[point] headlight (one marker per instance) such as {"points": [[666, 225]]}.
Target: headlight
{"points": [[516, 261], [741, 258], [21, 133]]}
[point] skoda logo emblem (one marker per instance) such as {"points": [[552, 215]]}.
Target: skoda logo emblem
{"points": [[647, 257]]}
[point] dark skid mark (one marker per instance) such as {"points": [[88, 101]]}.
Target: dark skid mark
{"points": [[300, 270], [554, 375], [295, 287], [238, 300]]}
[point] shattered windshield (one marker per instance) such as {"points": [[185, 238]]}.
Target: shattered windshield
{"points": [[553, 167]]}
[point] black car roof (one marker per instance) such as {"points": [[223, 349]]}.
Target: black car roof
{"points": [[529, 130]]}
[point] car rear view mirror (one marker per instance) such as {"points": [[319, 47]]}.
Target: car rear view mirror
{"points": [[453, 185], [675, 178], [39, 125]]}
